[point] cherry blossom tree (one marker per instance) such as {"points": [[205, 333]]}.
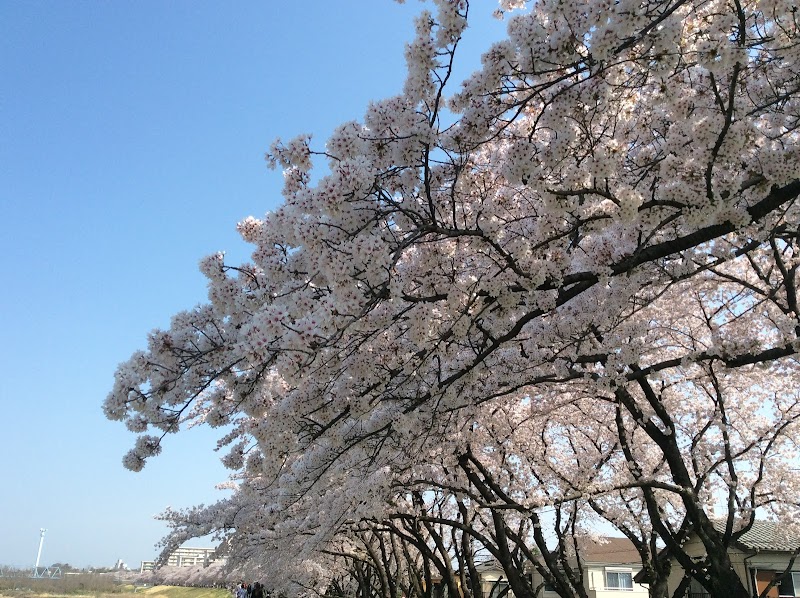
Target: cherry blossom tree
{"points": [[598, 229]]}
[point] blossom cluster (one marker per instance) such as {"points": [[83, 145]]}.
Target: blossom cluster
{"points": [[581, 289]]}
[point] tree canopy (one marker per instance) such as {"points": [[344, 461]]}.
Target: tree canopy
{"points": [[566, 285]]}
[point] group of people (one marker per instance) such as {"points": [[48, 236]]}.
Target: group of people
{"points": [[254, 590]]}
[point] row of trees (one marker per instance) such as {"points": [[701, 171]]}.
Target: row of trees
{"points": [[216, 574], [565, 293]]}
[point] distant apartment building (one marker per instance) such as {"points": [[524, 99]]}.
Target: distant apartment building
{"points": [[185, 556]]}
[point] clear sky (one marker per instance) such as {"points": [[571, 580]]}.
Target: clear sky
{"points": [[132, 137]]}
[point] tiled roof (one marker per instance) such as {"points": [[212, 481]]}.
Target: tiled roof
{"points": [[766, 535], [491, 564], [606, 551], [610, 551]]}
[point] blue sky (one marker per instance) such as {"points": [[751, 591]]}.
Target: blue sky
{"points": [[133, 136]]}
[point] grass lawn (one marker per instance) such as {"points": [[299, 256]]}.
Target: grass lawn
{"points": [[181, 592]]}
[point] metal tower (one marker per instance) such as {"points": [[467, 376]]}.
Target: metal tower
{"points": [[41, 542], [46, 572]]}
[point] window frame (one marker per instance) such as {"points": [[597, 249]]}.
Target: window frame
{"points": [[794, 578], [617, 571]]}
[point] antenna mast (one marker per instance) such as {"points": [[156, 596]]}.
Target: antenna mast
{"points": [[41, 541]]}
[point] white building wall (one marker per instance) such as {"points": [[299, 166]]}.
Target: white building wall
{"points": [[596, 577]]}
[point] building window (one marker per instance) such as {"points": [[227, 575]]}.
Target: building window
{"points": [[619, 580], [696, 590], [789, 585], [499, 589], [546, 585]]}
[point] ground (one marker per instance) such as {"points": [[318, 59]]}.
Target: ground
{"points": [[122, 592]]}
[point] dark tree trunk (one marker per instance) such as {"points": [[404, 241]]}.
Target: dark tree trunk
{"points": [[722, 580], [658, 589]]}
